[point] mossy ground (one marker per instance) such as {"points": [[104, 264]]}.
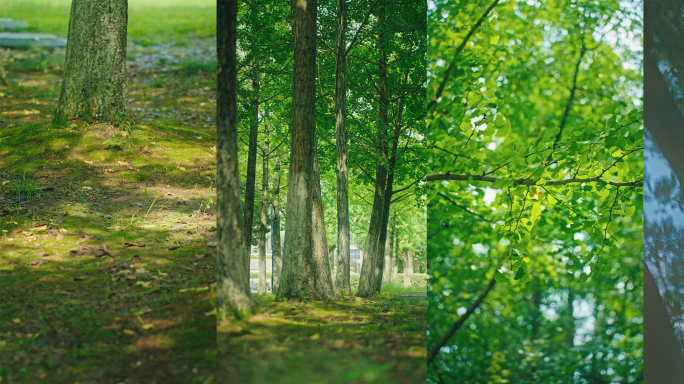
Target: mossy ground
{"points": [[350, 340], [76, 189]]}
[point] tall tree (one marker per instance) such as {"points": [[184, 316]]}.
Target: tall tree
{"points": [[276, 257], [94, 86], [233, 293], [252, 154], [298, 273], [342, 283], [262, 288]]}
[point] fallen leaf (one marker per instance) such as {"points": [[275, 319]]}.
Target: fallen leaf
{"points": [[174, 247], [169, 194], [145, 284], [129, 332], [315, 336], [37, 263], [16, 321], [42, 253], [40, 228], [199, 256], [147, 326], [128, 245], [188, 268], [131, 277], [108, 265]]}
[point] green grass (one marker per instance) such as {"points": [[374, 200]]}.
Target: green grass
{"points": [[183, 21], [151, 183], [349, 340]]}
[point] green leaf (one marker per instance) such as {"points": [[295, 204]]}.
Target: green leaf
{"points": [[500, 277], [494, 39]]}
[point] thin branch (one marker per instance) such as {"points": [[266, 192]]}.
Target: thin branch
{"points": [[353, 42], [460, 321], [463, 208], [460, 49], [492, 179]]}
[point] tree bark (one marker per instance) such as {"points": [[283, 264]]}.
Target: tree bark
{"points": [[251, 159], [262, 287], [297, 277], [277, 261], [233, 284], [342, 283], [94, 85], [371, 269], [321, 268]]}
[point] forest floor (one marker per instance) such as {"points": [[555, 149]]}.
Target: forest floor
{"points": [[107, 234], [349, 340]]}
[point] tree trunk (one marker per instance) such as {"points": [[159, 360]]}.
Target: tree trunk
{"points": [[94, 85], [321, 269], [251, 159], [372, 268], [407, 274], [277, 261], [296, 278], [387, 273], [262, 286], [233, 284], [396, 253], [410, 261], [342, 283]]}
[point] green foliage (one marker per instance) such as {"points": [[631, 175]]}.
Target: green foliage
{"points": [[536, 164]]}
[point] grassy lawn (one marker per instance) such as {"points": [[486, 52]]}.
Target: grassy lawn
{"points": [[107, 235], [351, 340]]}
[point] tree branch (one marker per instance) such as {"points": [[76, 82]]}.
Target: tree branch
{"points": [[460, 48], [492, 179], [460, 321]]}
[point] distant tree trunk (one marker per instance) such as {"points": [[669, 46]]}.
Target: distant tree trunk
{"points": [[276, 258], [410, 261], [321, 270], [342, 283], [396, 253], [251, 159], [297, 277], [233, 284], [262, 287], [387, 274], [94, 85], [407, 273]]}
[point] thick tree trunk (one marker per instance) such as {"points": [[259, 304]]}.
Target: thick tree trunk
{"points": [[251, 159], [94, 86], [233, 284], [407, 272], [277, 260], [371, 249], [342, 283], [321, 270], [262, 287], [297, 278]]}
